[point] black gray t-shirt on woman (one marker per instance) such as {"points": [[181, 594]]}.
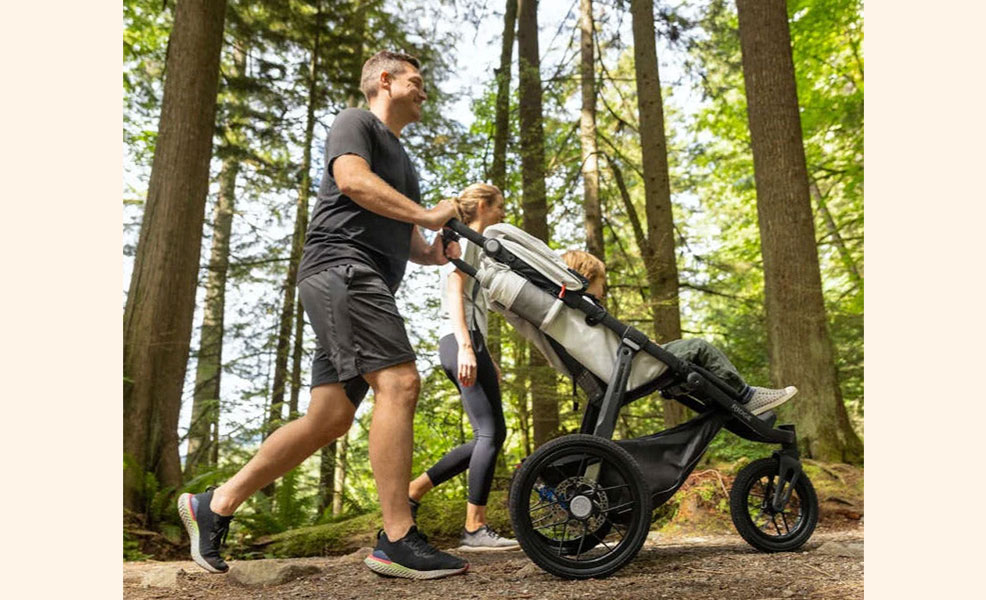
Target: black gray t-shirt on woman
{"points": [[341, 230]]}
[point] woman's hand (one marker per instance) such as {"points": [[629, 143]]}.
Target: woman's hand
{"points": [[467, 365]]}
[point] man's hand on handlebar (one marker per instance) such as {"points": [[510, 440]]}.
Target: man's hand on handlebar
{"points": [[438, 215]]}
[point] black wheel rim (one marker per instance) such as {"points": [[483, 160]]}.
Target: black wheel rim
{"points": [[776, 525], [577, 520]]}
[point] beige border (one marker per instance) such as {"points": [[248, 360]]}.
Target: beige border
{"points": [[924, 299], [925, 213], [61, 339]]}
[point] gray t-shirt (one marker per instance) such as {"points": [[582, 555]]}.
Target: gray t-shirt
{"points": [[342, 231], [474, 300]]}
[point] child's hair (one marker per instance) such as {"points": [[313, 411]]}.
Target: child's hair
{"points": [[470, 198], [585, 264]]}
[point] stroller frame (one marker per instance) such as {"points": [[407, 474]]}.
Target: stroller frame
{"points": [[666, 458]]}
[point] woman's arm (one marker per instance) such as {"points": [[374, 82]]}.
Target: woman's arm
{"points": [[457, 313]]}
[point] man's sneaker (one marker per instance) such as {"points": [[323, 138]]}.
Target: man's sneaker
{"points": [[764, 399], [485, 538], [206, 529], [415, 505], [412, 557]]}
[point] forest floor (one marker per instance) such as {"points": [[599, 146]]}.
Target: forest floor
{"points": [[829, 566]]}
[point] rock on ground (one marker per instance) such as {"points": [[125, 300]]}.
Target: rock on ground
{"points": [[268, 571], [849, 549], [163, 576]]}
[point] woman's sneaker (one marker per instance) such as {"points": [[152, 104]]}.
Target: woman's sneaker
{"points": [[412, 557], [206, 529], [485, 538], [764, 399]]}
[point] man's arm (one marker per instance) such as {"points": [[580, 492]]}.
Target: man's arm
{"points": [[435, 254], [355, 179]]}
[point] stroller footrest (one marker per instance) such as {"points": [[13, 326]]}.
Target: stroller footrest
{"points": [[708, 389]]}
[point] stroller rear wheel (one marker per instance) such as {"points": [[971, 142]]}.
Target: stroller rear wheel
{"points": [[580, 507], [750, 505]]}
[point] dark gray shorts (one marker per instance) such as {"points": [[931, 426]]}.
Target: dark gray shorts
{"points": [[358, 327]]}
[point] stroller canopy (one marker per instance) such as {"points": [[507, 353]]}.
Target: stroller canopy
{"points": [[538, 315]]}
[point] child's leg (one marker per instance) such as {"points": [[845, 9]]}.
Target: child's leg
{"points": [[709, 357]]}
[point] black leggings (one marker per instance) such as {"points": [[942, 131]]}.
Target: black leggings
{"points": [[485, 409]]}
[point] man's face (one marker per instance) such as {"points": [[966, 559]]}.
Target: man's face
{"points": [[407, 91]]}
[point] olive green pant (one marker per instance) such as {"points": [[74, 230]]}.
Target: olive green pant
{"points": [[710, 358]]}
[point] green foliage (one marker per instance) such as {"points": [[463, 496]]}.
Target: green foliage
{"points": [[131, 549]]}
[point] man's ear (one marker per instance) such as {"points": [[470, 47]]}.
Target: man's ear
{"points": [[385, 81]]}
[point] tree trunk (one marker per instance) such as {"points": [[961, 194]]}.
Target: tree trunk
{"points": [[662, 268], [326, 473], [339, 480], [590, 152], [208, 370], [297, 245], [799, 346], [544, 396], [157, 320], [501, 124], [276, 414], [299, 340], [501, 135], [520, 392]]}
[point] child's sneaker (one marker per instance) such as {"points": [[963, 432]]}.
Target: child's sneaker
{"points": [[206, 529], [485, 538], [412, 557], [764, 399]]}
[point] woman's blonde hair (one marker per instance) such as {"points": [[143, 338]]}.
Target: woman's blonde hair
{"points": [[470, 198]]}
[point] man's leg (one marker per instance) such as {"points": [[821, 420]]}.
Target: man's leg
{"points": [[329, 416], [395, 394], [207, 515], [400, 551]]}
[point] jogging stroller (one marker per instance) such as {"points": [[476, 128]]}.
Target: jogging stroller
{"points": [[581, 504]]}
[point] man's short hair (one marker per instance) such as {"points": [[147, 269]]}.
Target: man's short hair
{"points": [[385, 60], [585, 264]]}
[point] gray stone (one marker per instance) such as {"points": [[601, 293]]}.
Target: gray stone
{"points": [[848, 549], [163, 576], [356, 557], [268, 572], [528, 570]]}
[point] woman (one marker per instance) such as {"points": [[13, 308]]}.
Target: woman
{"points": [[467, 362]]}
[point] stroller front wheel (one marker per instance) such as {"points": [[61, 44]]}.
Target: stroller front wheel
{"points": [[580, 507], [756, 520]]}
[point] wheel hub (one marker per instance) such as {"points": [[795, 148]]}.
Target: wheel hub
{"points": [[581, 507]]}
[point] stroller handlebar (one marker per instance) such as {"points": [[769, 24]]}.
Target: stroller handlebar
{"points": [[458, 227], [451, 232]]}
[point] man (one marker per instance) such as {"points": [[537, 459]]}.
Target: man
{"points": [[363, 231]]}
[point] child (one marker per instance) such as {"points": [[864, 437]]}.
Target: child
{"points": [[697, 351]]}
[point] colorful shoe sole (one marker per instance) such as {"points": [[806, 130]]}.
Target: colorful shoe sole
{"points": [[387, 568], [187, 514]]}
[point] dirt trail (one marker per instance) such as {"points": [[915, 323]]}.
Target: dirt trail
{"points": [[829, 567]]}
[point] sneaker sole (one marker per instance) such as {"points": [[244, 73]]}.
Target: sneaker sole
{"points": [[185, 511], [392, 569], [773, 403], [486, 548]]}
